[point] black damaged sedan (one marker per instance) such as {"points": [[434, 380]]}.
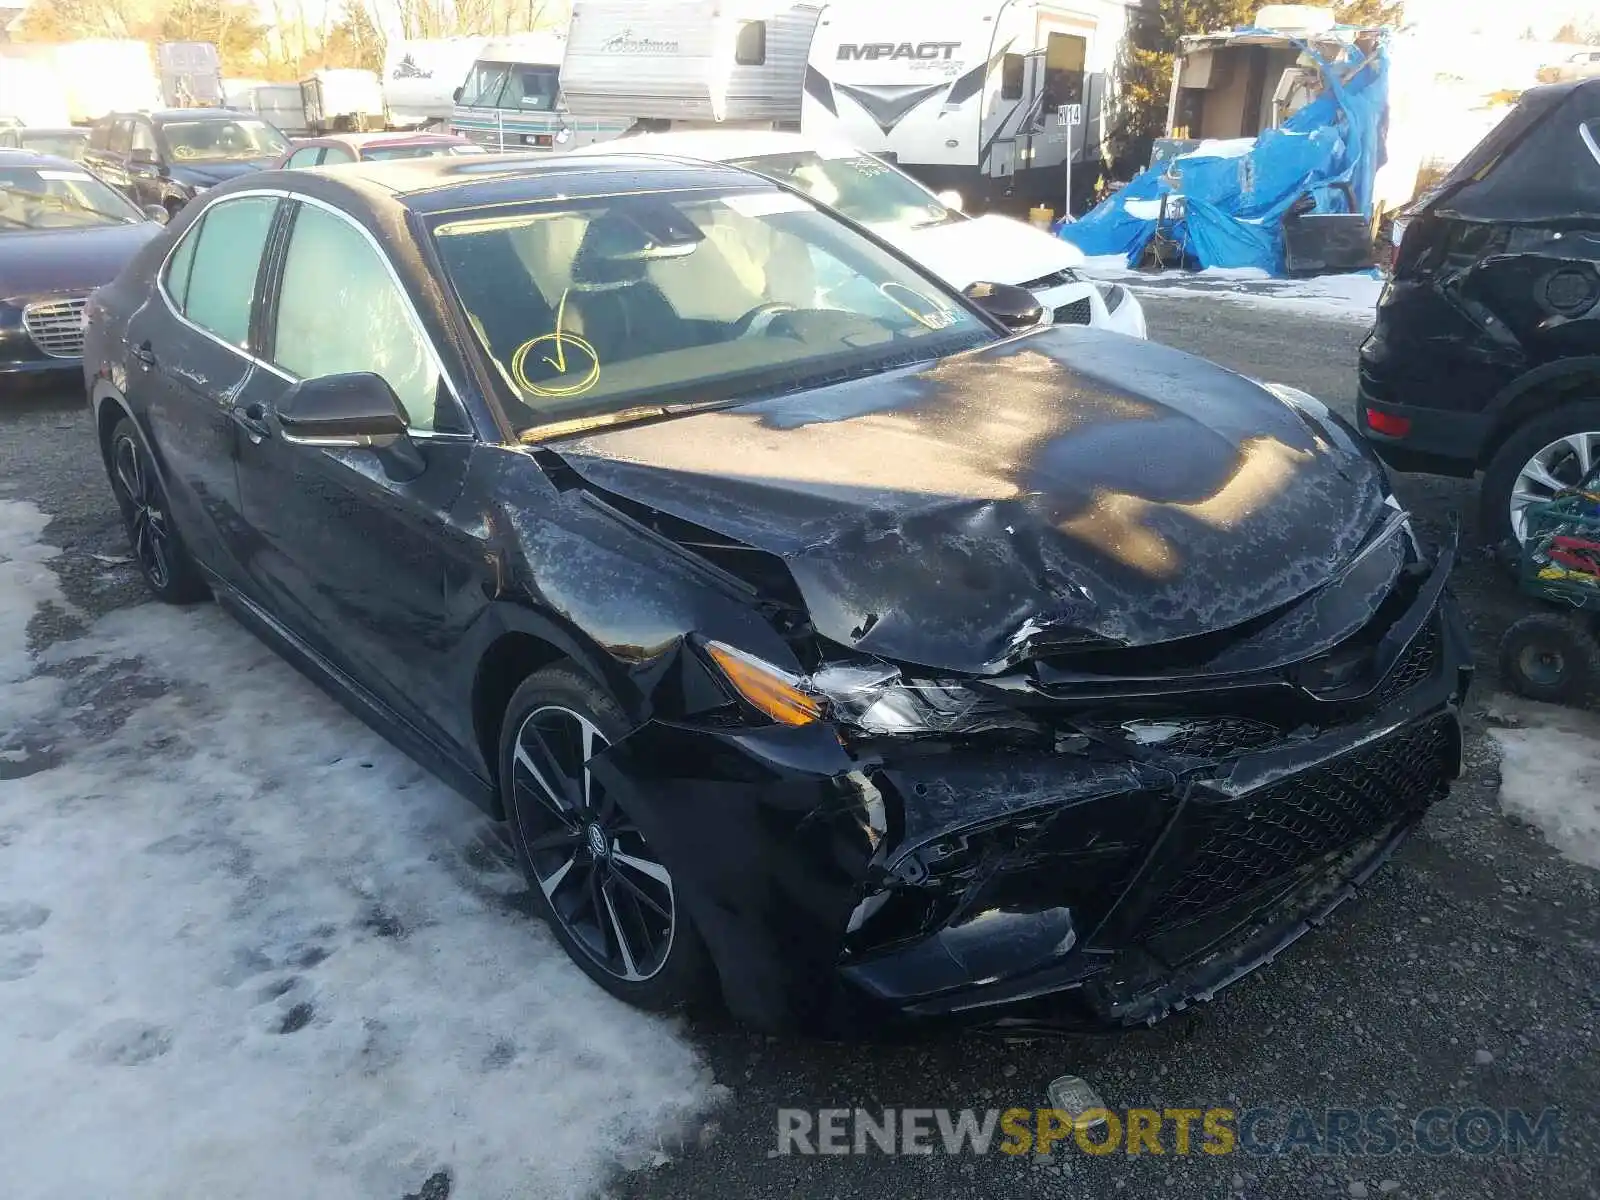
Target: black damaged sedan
{"points": [[857, 652]]}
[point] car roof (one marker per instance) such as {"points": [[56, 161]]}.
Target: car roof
{"points": [[720, 145], [396, 138], [184, 114], [444, 184], [32, 158]]}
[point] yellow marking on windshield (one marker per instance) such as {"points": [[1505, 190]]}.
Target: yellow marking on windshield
{"points": [[564, 340]]}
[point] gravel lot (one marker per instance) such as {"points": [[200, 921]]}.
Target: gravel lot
{"points": [[1467, 975]]}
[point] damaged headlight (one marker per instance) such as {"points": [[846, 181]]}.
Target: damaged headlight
{"points": [[878, 699], [872, 697]]}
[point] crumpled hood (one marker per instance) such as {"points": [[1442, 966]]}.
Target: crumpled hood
{"points": [[212, 173], [40, 262], [1070, 482], [990, 248]]}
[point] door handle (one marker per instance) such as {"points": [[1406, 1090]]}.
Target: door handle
{"points": [[252, 418], [144, 356]]}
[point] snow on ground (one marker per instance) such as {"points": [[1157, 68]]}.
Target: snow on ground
{"points": [[248, 949], [1550, 773], [1350, 297]]}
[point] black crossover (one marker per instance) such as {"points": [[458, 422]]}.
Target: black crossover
{"points": [[858, 653], [1486, 351]]}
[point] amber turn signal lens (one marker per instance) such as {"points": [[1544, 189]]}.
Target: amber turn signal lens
{"points": [[764, 687]]}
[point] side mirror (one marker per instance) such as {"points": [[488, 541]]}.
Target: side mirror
{"points": [[157, 213], [1012, 306], [353, 410], [951, 200], [456, 95]]}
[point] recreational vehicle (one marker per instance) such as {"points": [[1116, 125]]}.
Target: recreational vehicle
{"points": [[191, 74], [342, 100], [421, 77], [512, 100], [987, 97], [654, 65]]}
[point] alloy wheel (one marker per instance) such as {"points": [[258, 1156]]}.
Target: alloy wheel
{"points": [[1561, 464], [609, 891], [148, 528]]}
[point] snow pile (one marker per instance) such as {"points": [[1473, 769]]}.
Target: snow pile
{"points": [[1352, 297], [249, 949], [1550, 773]]}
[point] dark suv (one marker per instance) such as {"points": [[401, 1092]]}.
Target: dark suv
{"points": [[168, 158], [1486, 352]]}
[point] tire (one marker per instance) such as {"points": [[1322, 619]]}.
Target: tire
{"points": [[1500, 478], [169, 570], [1553, 658], [594, 879]]}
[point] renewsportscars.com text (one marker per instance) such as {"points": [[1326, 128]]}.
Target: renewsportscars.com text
{"points": [[1340, 1132]]}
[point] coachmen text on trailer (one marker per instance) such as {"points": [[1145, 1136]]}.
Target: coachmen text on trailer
{"points": [[976, 95]]}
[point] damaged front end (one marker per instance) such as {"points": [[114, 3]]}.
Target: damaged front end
{"points": [[1093, 834]]}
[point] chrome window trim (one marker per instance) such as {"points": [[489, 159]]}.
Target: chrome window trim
{"points": [[394, 278], [1588, 138]]}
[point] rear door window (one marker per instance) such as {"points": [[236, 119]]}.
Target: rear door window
{"points": [[221, 269], [336, 154], [307, 156], [121, 137]]}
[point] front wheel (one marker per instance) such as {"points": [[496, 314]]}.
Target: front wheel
{"points": [[606, 893]]}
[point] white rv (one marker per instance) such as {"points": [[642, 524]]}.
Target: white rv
{"points": [[974, 95], [421, 78], [512, 99], [663, 65]]}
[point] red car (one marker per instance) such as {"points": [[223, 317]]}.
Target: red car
{"points": [[367, 147]]}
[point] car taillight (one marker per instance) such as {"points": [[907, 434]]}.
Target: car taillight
{"points": [[1387, 423]]}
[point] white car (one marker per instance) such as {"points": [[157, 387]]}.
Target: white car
{"points": [[928, 228]]}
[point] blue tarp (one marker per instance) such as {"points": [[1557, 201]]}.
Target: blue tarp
{"points": [[1233, 207]]}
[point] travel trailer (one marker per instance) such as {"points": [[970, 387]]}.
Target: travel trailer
{"points": [[191, 74], [656, 65], [90, 77], [421, 78], [342, 100], [978, 96], [279, 104], [31, 93], [512, 99]]}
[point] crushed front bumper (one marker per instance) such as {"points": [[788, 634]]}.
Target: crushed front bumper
{"points": [[1074, 885]]}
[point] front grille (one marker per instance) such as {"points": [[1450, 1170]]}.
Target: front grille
{"points": [[1053, 280], [1077, 313], [1231, 846], [1418, 663], [1204, 737], [56, 326]]}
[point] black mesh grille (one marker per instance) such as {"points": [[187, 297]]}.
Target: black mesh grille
{"points": [[1076, 313], [1206, 737], [1233, 846], [1416, 664]]}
